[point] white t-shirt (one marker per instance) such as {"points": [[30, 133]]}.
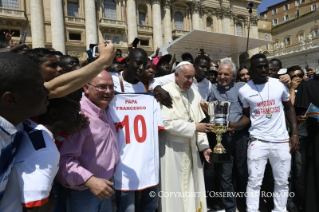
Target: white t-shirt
{"points": [[138, 118], [202, 87], [128, 87], [35, 167], [10, 139], [273, 129]]}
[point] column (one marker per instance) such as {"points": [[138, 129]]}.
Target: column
{"points": [[90, 22], [195, 15], [226, 25], [37, 23], [254, 26], [167, 23], [157, 24], [131, 21], [57, 25]]}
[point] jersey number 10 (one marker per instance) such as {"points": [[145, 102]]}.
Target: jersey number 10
{"points": [[126, 125]]}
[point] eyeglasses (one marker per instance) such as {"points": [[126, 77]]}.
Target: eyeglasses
{"points": [[300, 75], [103, 88]]}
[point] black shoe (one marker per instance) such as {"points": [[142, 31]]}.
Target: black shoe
{"points": [[213, 204], [291, 207]]}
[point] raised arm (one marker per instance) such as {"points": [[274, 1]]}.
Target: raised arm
{"points": [[69, 82]]}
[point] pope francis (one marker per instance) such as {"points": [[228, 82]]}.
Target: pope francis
{"points": [[182, 183]]}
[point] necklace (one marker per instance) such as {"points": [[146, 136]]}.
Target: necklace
{"points": [[187, 109], [269, 114]]}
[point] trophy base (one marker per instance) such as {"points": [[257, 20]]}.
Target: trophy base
{"points": [[220, 158]]}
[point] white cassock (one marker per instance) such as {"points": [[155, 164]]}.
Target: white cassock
{"points": [[182, 182]]}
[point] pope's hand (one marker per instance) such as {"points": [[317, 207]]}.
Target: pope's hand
{"points": [[204, 127]]}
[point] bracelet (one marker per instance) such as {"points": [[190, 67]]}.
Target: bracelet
{"points": [[295, 136]]}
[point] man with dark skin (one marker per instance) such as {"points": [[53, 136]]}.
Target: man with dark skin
{"points": [[274, 66], [128, 82], [68, 63], [163, 66], [201, 83], [62, 115], [268, 135], [22, 96]]}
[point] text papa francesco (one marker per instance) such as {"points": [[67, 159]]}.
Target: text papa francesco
{"points": [[131, 107]]}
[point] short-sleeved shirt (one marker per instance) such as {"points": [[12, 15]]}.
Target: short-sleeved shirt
{"points": [[261, 98], [10, 141], [128, 87], [34, 169]]}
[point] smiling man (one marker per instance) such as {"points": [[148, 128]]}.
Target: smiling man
{"points": [[180, 143], [128, 80], [236, 143], [89, 156], [264, 100]]}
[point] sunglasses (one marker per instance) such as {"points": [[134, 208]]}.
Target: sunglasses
{"points": [[300, 75]]}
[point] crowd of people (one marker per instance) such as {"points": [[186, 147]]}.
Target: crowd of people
{"points": [[133, 133]]}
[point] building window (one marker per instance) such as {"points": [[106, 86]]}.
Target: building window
{"points": [[179, 24], [75, 36], [209, 22], [313, 7], [287, 41], [286, 7], [275, 21], [286, 18], [109, 9], [297, 3], [265, 16], [10, 4], [274, 11], [145, 42], [73, 9], [15, 31], [297, 14], [141, 18], [239, 29], [315, 32]]}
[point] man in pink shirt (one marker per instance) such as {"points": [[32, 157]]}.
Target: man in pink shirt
{"points": [[89, 157]]}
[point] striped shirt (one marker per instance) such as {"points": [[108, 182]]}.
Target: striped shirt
{"points": [[92, 151]]}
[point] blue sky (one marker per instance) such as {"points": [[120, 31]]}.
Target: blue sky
{"points": [[266, 3]]}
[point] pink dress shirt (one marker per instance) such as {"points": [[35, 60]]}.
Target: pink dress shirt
{"points": [[92, 151]]}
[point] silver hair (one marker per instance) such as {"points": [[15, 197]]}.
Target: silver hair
{"points": [[230, 63]]}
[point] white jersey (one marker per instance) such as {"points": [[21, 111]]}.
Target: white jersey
{"points": [[34, 169], [260, 101], [138, 119]]}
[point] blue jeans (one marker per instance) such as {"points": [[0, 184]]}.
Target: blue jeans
{"points": [[60, 197], [139, 201], [84, 201]]}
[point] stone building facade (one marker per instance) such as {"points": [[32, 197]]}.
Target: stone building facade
{"points": [[296, 40], [71, 25]]}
